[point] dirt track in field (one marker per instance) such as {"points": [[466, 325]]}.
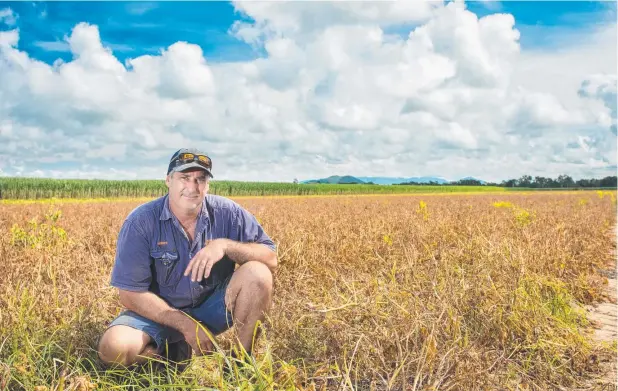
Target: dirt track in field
{"points": [[604, 318]]}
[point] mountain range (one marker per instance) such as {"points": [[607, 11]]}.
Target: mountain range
{"points": [[348, 179]]}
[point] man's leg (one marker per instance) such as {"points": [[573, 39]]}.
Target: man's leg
{"points": [[248, 297], [124, 345], [132, 339]]}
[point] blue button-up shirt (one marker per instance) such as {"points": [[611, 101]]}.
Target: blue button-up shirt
{"points": [[153, 250]]}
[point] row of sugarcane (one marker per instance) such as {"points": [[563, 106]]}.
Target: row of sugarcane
{"points": [[43, 188]]}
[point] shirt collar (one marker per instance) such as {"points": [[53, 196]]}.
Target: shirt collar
{"points": [[166, 212]]}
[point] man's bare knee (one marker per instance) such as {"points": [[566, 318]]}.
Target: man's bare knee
{"points": [[122, 345], [261, 277], [254, 277]]}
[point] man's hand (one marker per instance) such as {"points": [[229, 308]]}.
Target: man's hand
{"points": [[198, 339], [153, 307], [203, 261]]}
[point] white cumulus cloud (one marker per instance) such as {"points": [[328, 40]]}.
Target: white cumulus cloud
{"points": [[603, 88], [337, 92]]}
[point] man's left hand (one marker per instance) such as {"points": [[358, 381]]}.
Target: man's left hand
{"points": [[204, 260]]}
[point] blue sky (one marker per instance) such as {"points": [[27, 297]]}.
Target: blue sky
{"points": [[130, 28], [545, 23], [135, 28], [330, 94]]}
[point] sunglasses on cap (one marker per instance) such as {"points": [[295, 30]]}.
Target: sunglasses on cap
{"points": [[185, 158]]}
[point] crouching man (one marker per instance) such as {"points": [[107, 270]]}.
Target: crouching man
{"points": [[186, 259]]}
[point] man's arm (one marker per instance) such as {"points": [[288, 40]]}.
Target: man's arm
{"points": [[249, 243], [151, 306], [244, 252], [199, 267]]}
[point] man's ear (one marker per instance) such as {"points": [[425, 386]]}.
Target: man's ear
{"points": [[168, 179]]}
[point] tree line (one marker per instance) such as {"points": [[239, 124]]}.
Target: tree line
{"points": [[537, 182]]}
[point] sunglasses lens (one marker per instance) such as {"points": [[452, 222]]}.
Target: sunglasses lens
{"points": [[189, 157]]}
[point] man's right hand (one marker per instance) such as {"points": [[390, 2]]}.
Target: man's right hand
{"points": [[196, 336], [153, 307]]}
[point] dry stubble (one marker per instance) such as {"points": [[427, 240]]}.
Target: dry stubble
{"points": [[450, 291]]}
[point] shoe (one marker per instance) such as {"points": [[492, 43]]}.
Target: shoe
{"points": [[178, 354]]}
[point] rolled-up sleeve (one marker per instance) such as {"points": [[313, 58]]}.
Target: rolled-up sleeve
{"points": [[132, 265], [250, 230]]}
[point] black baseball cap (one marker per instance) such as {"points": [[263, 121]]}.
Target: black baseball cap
{"points": [[186, 158]]}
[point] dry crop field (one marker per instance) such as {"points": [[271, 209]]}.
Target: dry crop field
{"points": [[415, 292]]}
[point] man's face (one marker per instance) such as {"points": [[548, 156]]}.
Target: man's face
{"points": [[187, 189]]}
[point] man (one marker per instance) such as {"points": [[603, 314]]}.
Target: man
{"points": [[175, 270]]}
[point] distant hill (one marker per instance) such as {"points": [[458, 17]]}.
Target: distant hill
{"points": [[380, 180], [396, 180], [336, 179], [346, 179]]}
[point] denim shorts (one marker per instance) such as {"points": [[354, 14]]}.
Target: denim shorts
{"points": [[212, 313]]}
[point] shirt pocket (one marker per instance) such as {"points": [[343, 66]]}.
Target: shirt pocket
{"points": [[166, 267]]}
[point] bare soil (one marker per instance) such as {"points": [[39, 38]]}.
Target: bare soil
{"points": [[603, 317]]}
